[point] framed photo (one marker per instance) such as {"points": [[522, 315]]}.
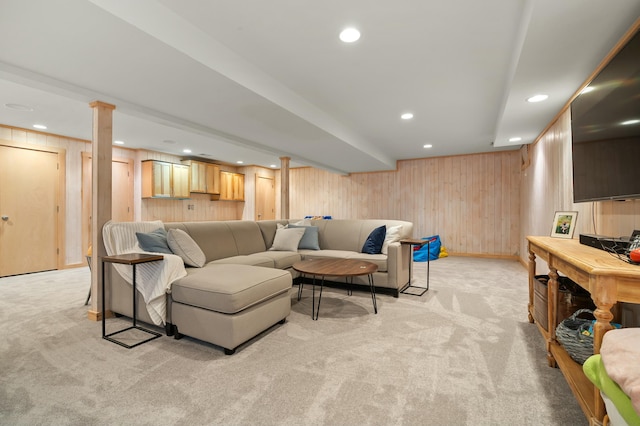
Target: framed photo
{"points": [[564, 223]]}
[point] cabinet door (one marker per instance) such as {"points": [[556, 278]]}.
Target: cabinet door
{"points": [[212, 176], [180, 181], [226, 186], [198, 177], [156, 179], [238, 187]]}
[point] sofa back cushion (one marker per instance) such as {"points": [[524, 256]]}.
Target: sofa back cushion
{"points": [[215, 239], [340, 234], [247, 236], [351, 234], [268, 230], [219, 240]]}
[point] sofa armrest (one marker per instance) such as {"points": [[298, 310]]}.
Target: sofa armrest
{"points": [[398, 263]]}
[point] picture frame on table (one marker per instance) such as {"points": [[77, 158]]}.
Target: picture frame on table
{"points": [[564, 224]]}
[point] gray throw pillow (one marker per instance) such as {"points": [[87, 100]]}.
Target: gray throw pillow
{"points": [[183, 245], [154, 241], [309, 240]]}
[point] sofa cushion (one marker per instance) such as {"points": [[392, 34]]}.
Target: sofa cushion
{"points": [[340, 234], [247, 236], [230, 288], [373, 244], [252, 260], [287, 239], [214, 238], [183, 245], [379, 259], [280, 259], [154, 241], [309, 239], [268, 229]]}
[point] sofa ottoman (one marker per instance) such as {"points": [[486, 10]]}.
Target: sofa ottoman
{"points": [[228, 304]]}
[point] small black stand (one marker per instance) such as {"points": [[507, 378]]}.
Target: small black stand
{"points": [[128, 259], [420, 290]]}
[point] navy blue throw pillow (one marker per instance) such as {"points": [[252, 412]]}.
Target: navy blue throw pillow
{"points": [[373, 245]]}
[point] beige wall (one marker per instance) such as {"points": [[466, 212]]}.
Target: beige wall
{"points": [[547, 188], [481, 204], [148, 209], [471, 201]]}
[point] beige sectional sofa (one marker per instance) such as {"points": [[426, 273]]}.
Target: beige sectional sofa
{"points": [[244, 287]]}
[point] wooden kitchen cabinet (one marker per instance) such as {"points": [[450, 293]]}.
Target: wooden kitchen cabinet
{"points": [[231, 186], [180, 185], [164, 180], [205, 177], [212, 176]]}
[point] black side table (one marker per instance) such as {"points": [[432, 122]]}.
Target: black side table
{"points": [[132, 259], [421, 290]]}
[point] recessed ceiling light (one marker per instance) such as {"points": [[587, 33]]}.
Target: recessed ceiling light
{"points": [[119, 142], [537, 98], [18, 107], [240, 162], [186, 151], [427, 146], [629, 122], [349, 35], [515, 139], [40, 126], [273, 166], [407, 116]]}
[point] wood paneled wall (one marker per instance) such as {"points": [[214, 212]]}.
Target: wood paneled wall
{"points": [[471, 201], [547, 187], [481, 204]]}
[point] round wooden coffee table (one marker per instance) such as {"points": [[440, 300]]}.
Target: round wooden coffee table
{"points": [[322, 268]]}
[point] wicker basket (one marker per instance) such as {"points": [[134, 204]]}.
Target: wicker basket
{"points": [[569, 334]]}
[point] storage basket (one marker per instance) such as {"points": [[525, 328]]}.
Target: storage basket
{"points": [[571, 297], [569, 334]]}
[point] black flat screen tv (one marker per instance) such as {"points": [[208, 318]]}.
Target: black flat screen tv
{"points": [[605, 131]]}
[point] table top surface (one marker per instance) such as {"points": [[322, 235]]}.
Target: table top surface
{"points": [[586, 258], [132, 258], [335, 267], [414, 241]]}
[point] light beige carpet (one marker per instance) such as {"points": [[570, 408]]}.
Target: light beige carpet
{"points": [[462, 354]]}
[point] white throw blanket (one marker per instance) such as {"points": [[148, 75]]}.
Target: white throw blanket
{"points": [[620, 352], [153, 279]]}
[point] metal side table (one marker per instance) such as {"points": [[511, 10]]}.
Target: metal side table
{"points": [[132, 259], [411, 242]]}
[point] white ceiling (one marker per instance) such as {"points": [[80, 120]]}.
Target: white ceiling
{"points": [[256, 80]]}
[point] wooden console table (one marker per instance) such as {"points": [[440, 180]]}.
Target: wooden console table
{"points": [[607, 278]]}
